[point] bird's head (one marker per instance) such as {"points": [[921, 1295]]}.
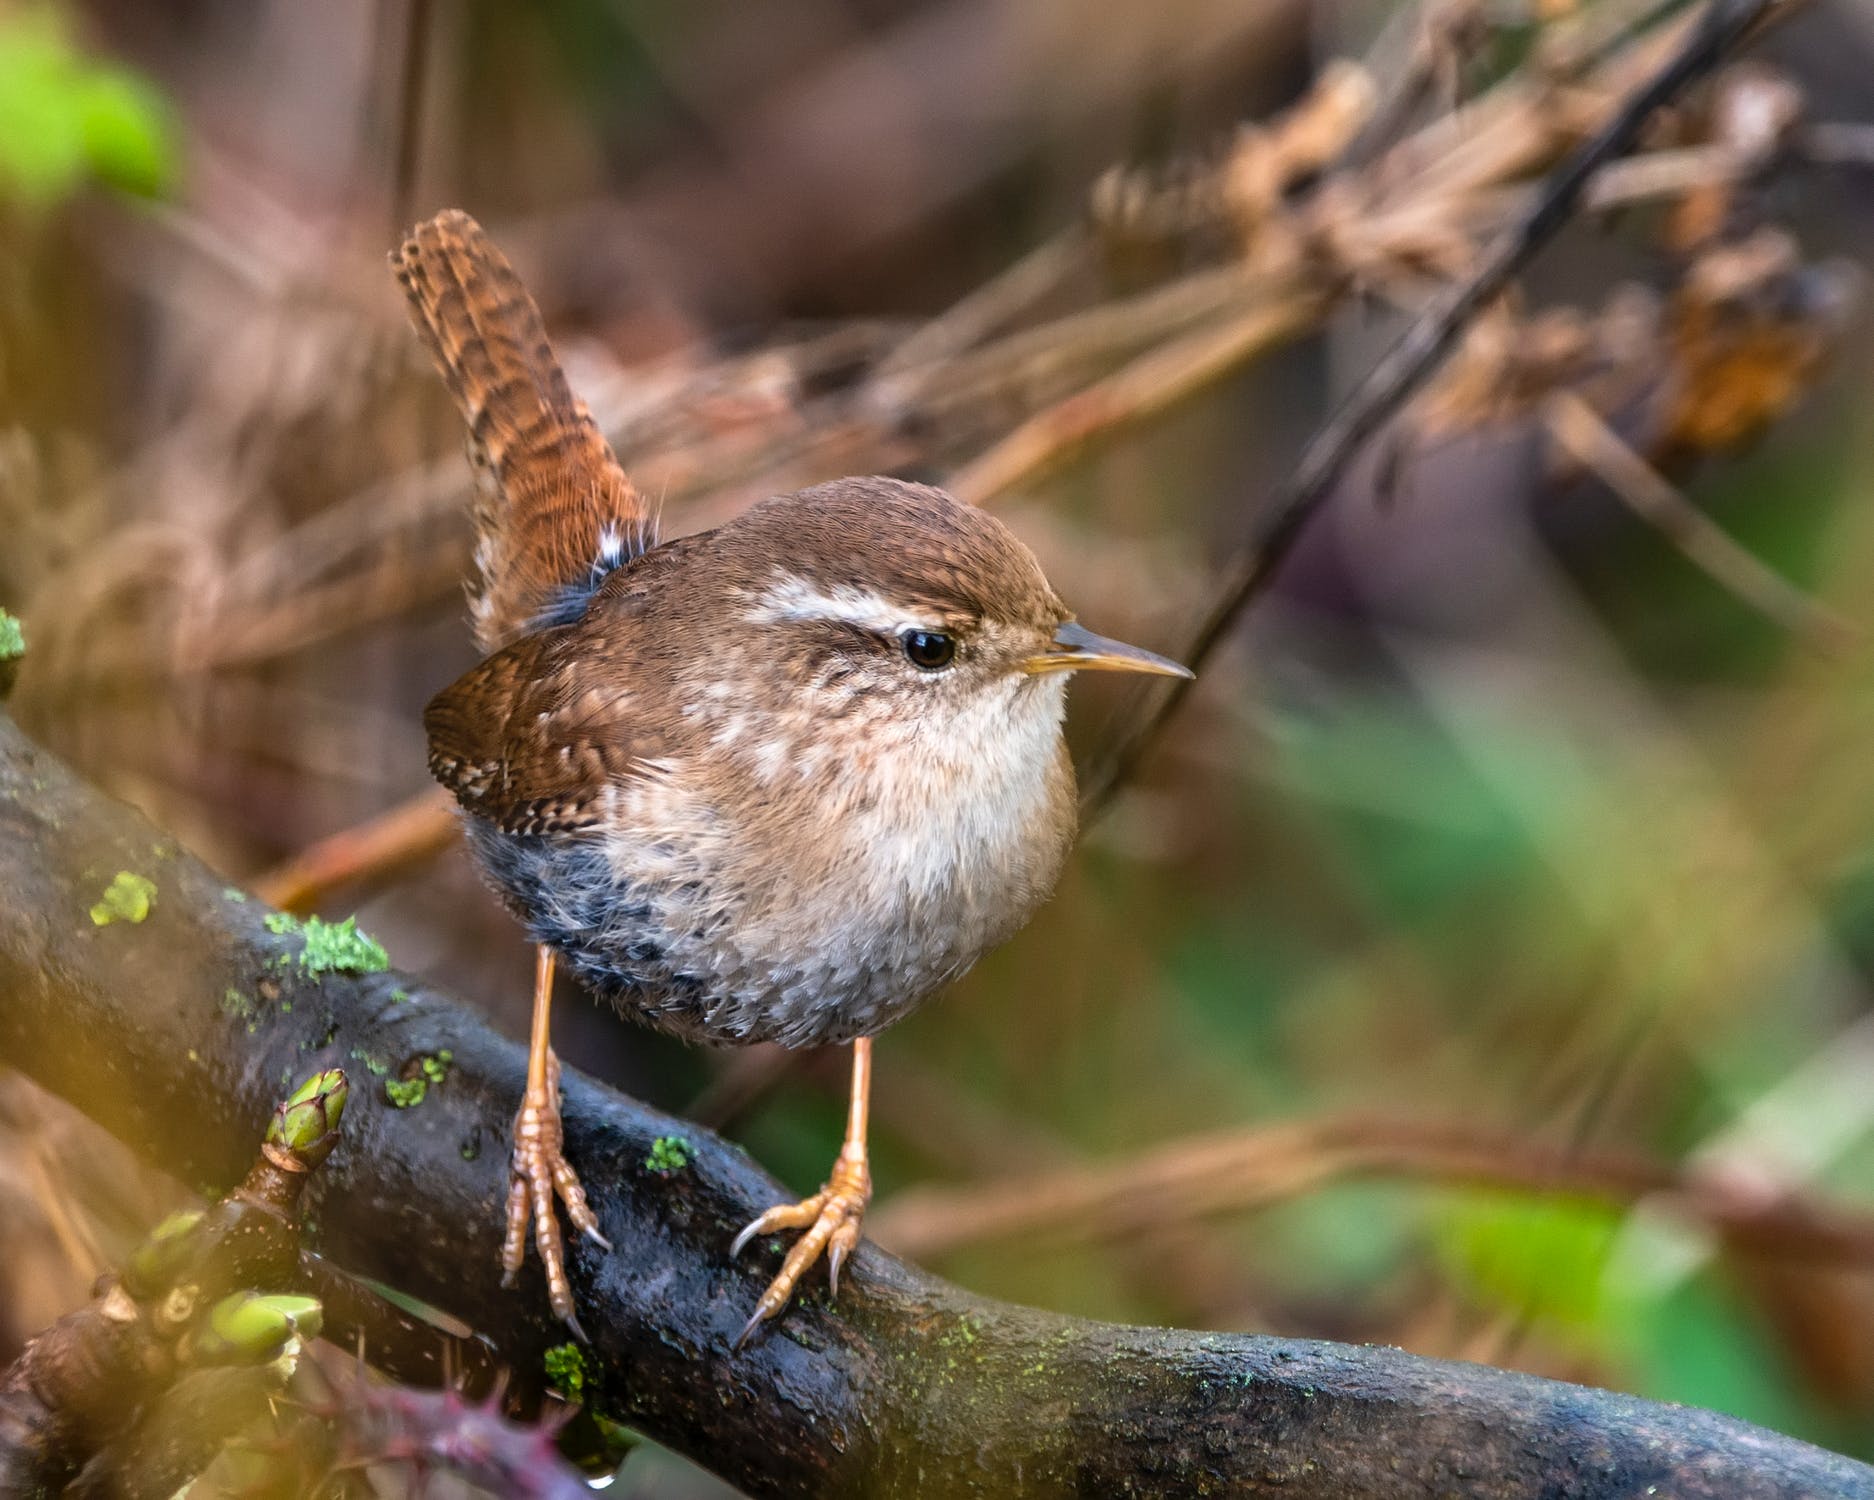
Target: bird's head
{"points": [[872, 616]]}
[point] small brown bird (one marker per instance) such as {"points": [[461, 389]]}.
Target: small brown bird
{"points": [[776, 782]]}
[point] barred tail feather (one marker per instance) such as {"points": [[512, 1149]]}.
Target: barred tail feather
{"points": [[555, 512]]}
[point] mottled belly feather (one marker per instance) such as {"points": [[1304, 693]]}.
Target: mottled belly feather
{"points": [[695, 981]]}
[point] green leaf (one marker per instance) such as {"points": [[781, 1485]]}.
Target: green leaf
{"points": [[126, 132], [67, 119]]}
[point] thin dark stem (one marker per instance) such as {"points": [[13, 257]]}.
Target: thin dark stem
{"points": [[1404, 370]]}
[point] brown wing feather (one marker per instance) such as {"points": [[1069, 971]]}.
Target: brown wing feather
{"points": [[556, 510], [534, 737], [519, 745]]}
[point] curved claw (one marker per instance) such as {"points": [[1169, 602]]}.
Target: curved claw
{"points": [[831, 1219], [782, 1216], [755, 1320], [844, 1241], [748, 1233]]}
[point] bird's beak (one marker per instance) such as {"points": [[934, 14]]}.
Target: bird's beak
{"points": [[1077, 649]]}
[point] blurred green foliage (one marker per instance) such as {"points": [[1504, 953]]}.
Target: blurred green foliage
{"points": [[1539, 1259], [68, 119]]}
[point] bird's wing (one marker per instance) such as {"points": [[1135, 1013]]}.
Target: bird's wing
{"points": [[555, 512], [533, 739]]}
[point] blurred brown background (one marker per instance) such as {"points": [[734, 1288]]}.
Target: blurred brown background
{"points": [[1481, 961]]}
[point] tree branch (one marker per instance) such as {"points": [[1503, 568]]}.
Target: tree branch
{"points": [[175, 1032]]}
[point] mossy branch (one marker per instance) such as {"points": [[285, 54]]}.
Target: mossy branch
{"points": [[909, 1387]]}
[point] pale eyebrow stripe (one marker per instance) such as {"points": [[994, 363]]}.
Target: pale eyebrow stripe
{"points": [[793, 598]]}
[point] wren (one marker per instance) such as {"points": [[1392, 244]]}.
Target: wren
{"points": [[776, 782]]}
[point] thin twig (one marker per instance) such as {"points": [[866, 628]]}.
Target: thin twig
{"points": [[1587, 438], [1406, 54], [407, 834], [992, 306], [1414, 359], [1665, 174], [1192, 1179], [1141, 390]]}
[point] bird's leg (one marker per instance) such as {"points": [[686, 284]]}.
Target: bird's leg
{"points": [[831, 1217], [538, 1168]]}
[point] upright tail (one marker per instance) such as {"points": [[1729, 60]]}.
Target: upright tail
{"points": [[555, 513]]}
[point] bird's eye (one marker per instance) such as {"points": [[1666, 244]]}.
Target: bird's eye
{"points": [[930, 649]]}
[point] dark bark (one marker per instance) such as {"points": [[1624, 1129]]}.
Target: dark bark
{"points": [[908, 1387]]}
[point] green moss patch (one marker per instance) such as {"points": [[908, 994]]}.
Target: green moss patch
{"points": [[413, 1088], [12, 637], [331, 947], [565, 1365], [128, 898], [669, 1153]]}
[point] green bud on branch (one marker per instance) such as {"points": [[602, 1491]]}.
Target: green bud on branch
{"points": [[306, 1124], [251, 1329], [169, 1247]]}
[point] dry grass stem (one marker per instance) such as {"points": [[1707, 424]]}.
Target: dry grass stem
{"points": [[1234, 1171]]}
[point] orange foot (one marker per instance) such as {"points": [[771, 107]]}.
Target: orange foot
{"points": [[831, 1218], [537, 1171]]}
